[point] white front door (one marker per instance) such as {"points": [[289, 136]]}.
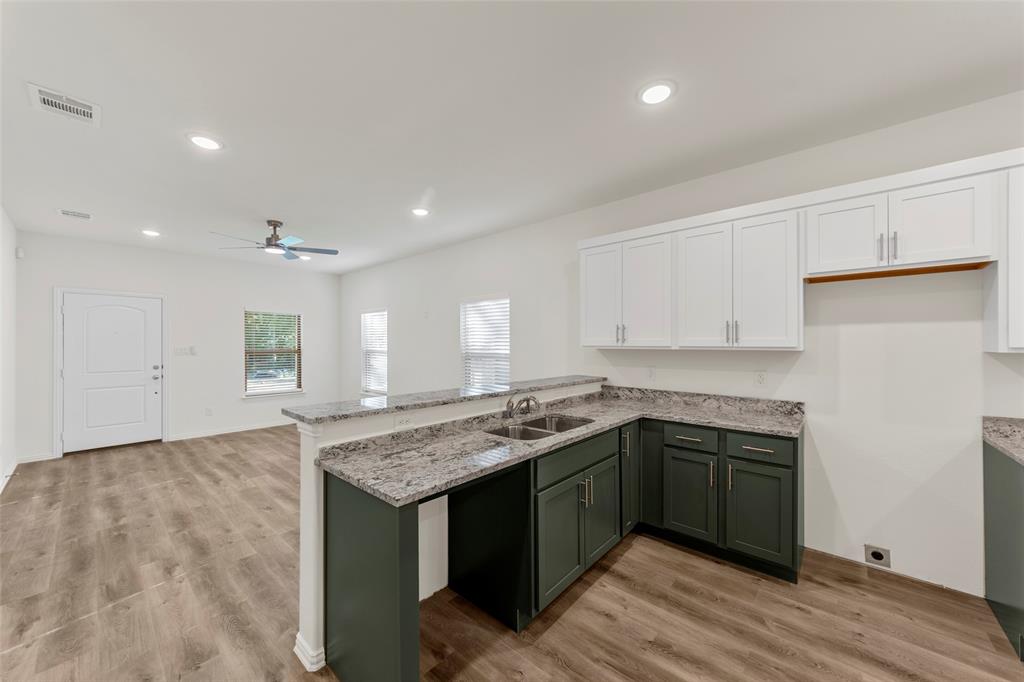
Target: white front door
{"points": [[112, 371]]}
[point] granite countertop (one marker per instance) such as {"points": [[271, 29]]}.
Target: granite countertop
{"points": [[408, 466], [1006, 435], [323, 413]]}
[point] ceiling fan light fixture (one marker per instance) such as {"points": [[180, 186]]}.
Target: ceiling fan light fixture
{"points": [[276, 250], [305, 258], [421, 212], [151, 233]]}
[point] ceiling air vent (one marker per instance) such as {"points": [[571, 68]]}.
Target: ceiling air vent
{"points": [[45, 99], [68, 213]]}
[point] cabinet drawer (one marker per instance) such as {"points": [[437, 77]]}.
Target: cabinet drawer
{"points": [[566, 462], [691, 437], [759, 448]]}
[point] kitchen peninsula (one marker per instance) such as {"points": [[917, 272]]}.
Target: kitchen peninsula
{"points": [[529, 513]]}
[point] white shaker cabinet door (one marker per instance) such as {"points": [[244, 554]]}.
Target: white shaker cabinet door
{"points": [[647, 292], [1015, 259], [848, 235], [703, 281], [942, 220], [766, 282], [600, 295]]}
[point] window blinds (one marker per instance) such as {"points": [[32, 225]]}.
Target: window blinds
{"points": [[486, 345], [273, 352], [375, 352]]}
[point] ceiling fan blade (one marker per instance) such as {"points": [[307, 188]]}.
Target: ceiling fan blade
{"points": [[222, 248], [290, 241], [241, 239], [288, 255], [307, 249]]}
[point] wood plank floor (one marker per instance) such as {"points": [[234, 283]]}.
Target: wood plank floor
{"points": [[178, 561]]}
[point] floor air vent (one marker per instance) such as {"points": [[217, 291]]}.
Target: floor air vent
{"points": [[51, 100]]}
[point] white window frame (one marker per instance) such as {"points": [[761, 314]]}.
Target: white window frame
{"points": [[363, 351], [467, 356], [300, 383]]}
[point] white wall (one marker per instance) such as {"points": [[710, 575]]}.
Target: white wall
{"points": [[205, 298], [893, 373], [8, 453]]}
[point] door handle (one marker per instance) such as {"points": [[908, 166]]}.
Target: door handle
{"points": [[730, 477], [625, 435], [753, 449], [881, 248], [711, 475], [895, 252], [735, 331], [623, 333], [617, 333], [689, 438], [727, 334], [584, 498]]}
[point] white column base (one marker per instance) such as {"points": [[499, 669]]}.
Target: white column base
{"points": [[311, 659]]}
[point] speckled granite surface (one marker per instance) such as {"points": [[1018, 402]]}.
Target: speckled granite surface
{"points": [[323, 413], [405, 467], [1006, 435]]}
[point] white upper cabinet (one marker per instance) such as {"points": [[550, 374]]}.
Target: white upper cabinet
{"points": [[766, 282], [848, 235], [601, 295], [703, 257], [1015, 259], [941, 221], [647, 292]]}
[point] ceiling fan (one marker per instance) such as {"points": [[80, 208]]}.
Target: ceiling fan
{"points": [[287, 247]]}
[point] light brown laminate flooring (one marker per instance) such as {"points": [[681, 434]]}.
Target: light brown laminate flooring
{"points": [[179, 561]]}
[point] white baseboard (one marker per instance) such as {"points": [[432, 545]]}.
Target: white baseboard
{"points": [[284, 421], [39, 457], [311, 660]]}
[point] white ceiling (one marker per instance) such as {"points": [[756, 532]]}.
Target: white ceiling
{"points": [[338, 118]]}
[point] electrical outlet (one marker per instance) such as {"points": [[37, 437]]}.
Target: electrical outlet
{"points": [[761, 377], [877, 556]]}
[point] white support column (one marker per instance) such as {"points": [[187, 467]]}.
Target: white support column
{"points": [[309, 641]]}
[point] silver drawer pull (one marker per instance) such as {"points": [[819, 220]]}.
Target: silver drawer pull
{"points": [[753, 449], [689, 438]]}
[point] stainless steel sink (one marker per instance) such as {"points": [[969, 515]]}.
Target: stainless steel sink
{"points": [[519, 432], [557, 423]]}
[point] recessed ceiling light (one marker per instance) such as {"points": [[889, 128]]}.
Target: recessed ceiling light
{"points": [[274, 250], [207, 143], [421, 212], [656, 93], [151, 233], [306, 257]]}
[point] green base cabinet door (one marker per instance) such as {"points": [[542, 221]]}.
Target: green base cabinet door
{"points": [[690, 493], [560, 558], [759, 511], [601, 515], [631, 455]]}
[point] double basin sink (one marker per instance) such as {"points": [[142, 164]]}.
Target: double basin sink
{"points": [[540, 427]]}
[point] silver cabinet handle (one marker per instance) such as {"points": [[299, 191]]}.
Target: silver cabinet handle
{"points": [[730, 477], [727, 335], [617, 333], [584, 499], [735, 331], [689, 438], [625, 434], [711, 475], [895, 245], [623, 333], [590, 491], [881, 247], [753, 449]]}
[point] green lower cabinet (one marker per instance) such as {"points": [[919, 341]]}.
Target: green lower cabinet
{"points": [[560, 550], [631, 456], [690, 493], [759, 511], [601, 529]]}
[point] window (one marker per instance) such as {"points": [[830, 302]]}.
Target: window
{"points": [[485, 343], [374, 345], [273, 353]]}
